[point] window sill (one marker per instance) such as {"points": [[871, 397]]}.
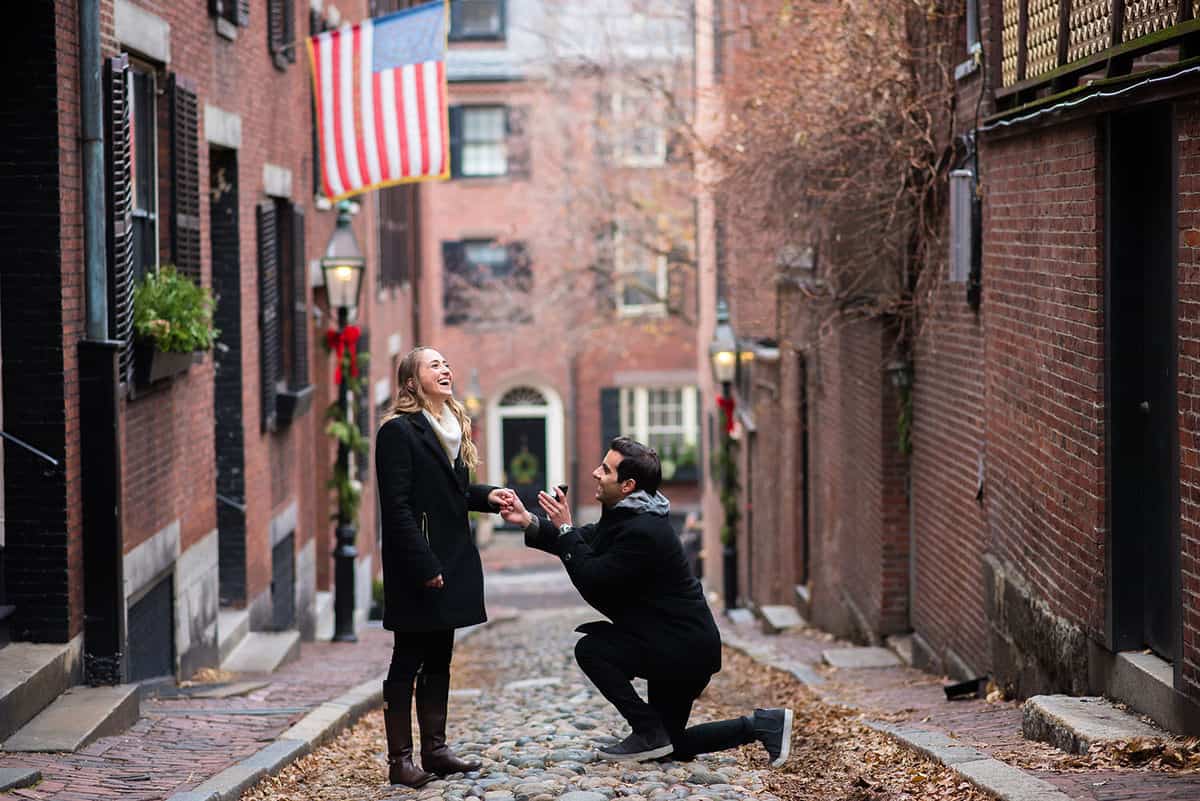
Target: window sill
{"points": [[481, 179], [649, 310], [291, 404], [476, 37], [226, 29]]}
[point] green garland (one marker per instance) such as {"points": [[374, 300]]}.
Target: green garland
{"points": [[346, 432], [724, 465]]}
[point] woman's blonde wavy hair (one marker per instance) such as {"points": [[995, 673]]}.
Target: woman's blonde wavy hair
{"points": [[411, 398]]}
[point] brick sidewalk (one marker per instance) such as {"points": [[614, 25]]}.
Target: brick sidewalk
{"points": [[915, 698], [180, 742]]}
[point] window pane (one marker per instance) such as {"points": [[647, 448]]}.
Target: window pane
{"points": [[479, 18], [483, 124], [489, 260], [640, 289], [490, 159], [142, 140]]}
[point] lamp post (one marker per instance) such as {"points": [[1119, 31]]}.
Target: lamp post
{"points": [[342, 265], [723, 352]]}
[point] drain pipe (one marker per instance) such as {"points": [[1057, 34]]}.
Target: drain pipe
{"points": [[92, 134], [104, 635]]}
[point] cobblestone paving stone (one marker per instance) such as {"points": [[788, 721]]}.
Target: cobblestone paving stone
{"points": [[180, 742], [534, 721]]}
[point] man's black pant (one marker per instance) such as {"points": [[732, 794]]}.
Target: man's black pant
{"points": [[611, 659]]}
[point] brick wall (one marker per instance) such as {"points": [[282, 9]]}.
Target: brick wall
{"points": [[1188, 294]]}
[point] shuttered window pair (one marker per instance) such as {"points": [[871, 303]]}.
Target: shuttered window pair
{"points": [[482, 278], [136, 211], [283, 314]]}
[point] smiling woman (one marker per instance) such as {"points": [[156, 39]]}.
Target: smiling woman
{"points": [[432, 575]]}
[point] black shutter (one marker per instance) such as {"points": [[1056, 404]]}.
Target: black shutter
{"points": [[243, 12], [268, 312], [602, 270], [185, 178], [119, 190], [610, 416], [289, 31], [454, 278], [456, 119], [362, 408], [281, 31], [605, 127], [299, 277], [517, 141], [455, 21]]}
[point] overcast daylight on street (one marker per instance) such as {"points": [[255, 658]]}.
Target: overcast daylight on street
{"points": [[600, 400]]}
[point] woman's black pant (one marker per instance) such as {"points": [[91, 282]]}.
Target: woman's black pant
{"points": [[611, 660], [425, 652]]}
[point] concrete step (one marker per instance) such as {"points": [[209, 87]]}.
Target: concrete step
{"points": [[1146, 683], [232, 627], [16, 778], [324, 614], [77, 717], [902, 646], [1073, 724], [860, 657], [778, 619], [31, 676], [263, 652]]}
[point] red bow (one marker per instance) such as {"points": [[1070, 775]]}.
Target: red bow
{"points": [[726, 405], [347, 338]]}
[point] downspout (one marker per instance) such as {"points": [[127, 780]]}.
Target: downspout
{"points": [[92, 136]]}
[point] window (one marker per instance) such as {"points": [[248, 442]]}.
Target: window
{"points": [[143, 167], [233, 12], [398, 229], [641, 129], [283, 314], [475, 20], [664, 418], [478, 141], [475, 270], [962, 191], [641, 274]]}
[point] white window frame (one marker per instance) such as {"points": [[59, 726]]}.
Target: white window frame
{"points": [[501, 143], [626, 121], [623, 266], [635, 414]]}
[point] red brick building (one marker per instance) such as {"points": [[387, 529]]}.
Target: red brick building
{"points": [[557, 271], [152, 521], [1041, 530]]}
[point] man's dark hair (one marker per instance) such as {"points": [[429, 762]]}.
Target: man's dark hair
{"points": [[638, 462]]}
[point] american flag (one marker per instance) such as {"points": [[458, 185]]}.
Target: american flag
{"points": [[381, 101]]}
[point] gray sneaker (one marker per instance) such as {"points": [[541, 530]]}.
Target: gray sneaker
{"points": [[638, 748], [773, 728]]}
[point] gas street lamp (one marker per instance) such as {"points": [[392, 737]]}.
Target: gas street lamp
{"points": [[723, 353], [342, 265]]}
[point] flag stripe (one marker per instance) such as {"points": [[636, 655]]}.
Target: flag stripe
{"points": [[336, 76], [385, 169], [387, 88], [329, 156], [411, 119], [419, 79], [368, 153], [401, 124], [432, 120], [443, 120], [346, 86]]}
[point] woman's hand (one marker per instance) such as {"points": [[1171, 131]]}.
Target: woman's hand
{"points": [[556, 508], [436, 583], [513, 511], [501, 497]]}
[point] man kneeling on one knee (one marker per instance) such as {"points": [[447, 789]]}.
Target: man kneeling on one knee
{"points": [[631, 567]]}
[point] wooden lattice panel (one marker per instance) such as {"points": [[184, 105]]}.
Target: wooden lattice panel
{"points": [[1143, 17], [1090, 28], [1043, 37], [1009, 44]]}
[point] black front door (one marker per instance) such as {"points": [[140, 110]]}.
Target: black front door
{"points": [[1142, 431], [524, 441]]}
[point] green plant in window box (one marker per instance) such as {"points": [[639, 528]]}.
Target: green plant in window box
{"points": [[172, 321]]}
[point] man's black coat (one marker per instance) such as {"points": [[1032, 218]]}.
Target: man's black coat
{"points": [[424, 503], [630, 567]]}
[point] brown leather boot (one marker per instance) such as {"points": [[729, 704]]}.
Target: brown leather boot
{"points": [[433, 694], [397, 721]]}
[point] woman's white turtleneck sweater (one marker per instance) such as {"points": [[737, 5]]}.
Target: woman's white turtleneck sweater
{"points": [[448, 430]]}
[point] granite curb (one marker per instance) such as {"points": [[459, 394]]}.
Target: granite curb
{"points": [[317, 727], [997, 778]]}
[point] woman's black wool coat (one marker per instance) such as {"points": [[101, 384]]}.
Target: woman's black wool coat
{"points": [[424, 502]]}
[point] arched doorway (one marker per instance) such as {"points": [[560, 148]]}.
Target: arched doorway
{"points": [[525, 441]]}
